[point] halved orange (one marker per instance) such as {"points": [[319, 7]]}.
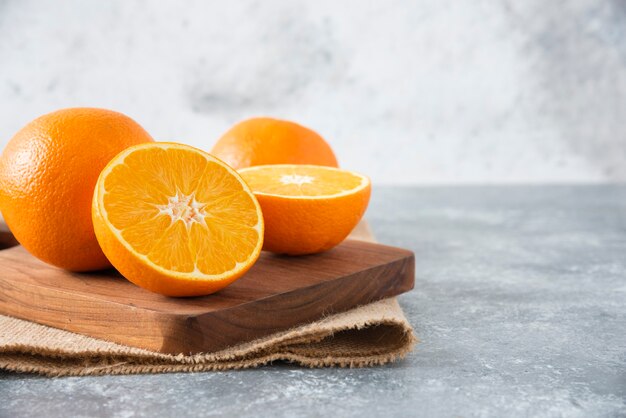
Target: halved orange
{"points": [[307, 208], [176, 220]]}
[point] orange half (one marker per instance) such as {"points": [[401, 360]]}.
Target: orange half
{"points": [[176, 220], [307, 209]]}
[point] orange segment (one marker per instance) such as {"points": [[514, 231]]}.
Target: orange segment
{"points": [[307, 209], [176, 220]]}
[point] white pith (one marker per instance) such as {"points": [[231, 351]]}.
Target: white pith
{"points": [[183, 208], [296, 179], [175, 201]]}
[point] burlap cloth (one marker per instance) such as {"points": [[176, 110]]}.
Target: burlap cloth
{"points": [[369, 335]]}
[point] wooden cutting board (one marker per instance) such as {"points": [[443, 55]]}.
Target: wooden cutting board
{"points": [[278, 293]]}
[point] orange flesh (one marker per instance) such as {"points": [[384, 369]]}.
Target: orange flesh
{"points": [[301, 180], [181, 211]]}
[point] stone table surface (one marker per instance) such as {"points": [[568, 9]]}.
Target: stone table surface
{"points": [[520, 304]]}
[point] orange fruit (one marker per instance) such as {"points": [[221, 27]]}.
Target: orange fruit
{"points": [[307, 209], [261, 141], [48, 171], [176, 220]]}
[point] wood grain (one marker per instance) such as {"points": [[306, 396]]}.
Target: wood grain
{"points": [[278, 293]]}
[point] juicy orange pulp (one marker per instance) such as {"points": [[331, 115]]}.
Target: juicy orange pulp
{"points": [[307, 209], [176, 220], [302, 181]]}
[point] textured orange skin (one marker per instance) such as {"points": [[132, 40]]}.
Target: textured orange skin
{"points": [[308, 226], [48, 172], [137, 272], [261, 141]]}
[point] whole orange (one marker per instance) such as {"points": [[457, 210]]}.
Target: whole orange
{"points": [[261, 141], [48, 172]]}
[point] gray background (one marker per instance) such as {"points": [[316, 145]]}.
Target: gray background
{"points": [[408, 92]]}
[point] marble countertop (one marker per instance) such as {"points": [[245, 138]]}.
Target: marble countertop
{"points": [[520, 304]]}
